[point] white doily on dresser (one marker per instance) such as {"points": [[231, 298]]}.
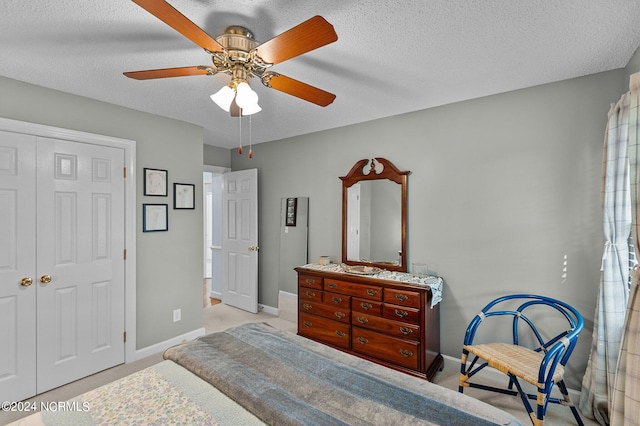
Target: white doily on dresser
{"points": [[433, 282]]}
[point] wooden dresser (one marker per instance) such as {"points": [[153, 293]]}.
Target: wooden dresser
{"points": [[385, 321]]}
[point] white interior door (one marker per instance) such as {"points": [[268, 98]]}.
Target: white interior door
{"points": [[17, 266], [240, 239], [80, 260]]}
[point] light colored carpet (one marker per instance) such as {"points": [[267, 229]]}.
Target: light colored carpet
{"points": [[220, 317]]}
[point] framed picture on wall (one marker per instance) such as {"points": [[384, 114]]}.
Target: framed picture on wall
{"points": [[184, 196], [155, 182], [155, 217], [292, 205]]}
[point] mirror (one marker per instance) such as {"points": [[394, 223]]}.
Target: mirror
{"points": [[294, 224], [374, 215]]}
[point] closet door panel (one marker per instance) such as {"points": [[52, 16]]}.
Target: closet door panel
{"points": [[17, 266], [80, 247]]}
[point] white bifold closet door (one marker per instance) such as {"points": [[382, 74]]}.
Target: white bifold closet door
{"points": [[61, 262]]}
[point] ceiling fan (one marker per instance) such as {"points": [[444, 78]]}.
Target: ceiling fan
{"points": [[237, 54]]}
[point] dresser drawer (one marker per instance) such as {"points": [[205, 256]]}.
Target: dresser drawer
{"points": [[332, 332], [398, 351], [310, 281], [401, 313], [332, 312], [337, 300], [359, 290], [311, 294], [386, 326], [402, 297], [366, 306]]}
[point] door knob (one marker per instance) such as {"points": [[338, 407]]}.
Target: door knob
{"points": [[254, 248], [45, 279], [26, 282]]}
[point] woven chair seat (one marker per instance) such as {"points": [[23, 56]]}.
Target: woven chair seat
{"points": [[517, 360]]}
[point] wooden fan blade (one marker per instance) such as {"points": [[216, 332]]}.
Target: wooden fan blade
{"points": [[305, 37], [301, 90], [167, 72], [176, 20]]}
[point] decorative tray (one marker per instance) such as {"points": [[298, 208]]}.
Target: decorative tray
{"points": [[362, 270]]}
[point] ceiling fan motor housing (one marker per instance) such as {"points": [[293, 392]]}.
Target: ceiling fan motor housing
{"points": [[238, 43]]}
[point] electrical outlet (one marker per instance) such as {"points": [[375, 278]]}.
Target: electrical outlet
{"points": [[177, 315]]}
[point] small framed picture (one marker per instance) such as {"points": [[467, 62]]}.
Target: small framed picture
{"points": [[292, 205], [184, 196], [155, 217], [155, 182]]}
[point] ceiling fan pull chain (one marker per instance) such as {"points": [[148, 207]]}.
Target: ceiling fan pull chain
{"points": [[240, 143], [250, 151]]}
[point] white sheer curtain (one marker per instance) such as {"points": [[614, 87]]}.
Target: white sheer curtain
{"points": [[598, 381], [625, 404]]}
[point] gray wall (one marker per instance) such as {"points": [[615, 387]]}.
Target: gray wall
{"points": [[216, 156], [504, 195], [169, 264]]}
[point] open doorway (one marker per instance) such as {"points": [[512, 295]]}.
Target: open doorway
{"points": [[212, 213]]}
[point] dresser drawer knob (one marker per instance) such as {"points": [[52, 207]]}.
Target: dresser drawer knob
{"points": [[340, 333], [371, 292], [401, 297], [307, 306], [340, 314], [311, 294], [363, 340], [307, 324], [336, 300], [332, 285], [310, 281], [362, 320], [405, 353], [406, 331], [366, 306], [401, 313]]}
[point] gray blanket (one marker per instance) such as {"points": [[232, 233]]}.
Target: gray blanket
{"points": [[285, 379]]}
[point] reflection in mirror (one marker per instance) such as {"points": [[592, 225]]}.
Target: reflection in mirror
{"points": [[374, 222], [374, 195], [294, 213]]}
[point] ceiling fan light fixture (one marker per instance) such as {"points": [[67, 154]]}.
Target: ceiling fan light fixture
{"points": [[224, 97], [246, 98]]}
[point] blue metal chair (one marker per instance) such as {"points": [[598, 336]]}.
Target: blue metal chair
{"points": [[529, 356]]}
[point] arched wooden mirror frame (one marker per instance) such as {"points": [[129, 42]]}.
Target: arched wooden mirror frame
{"points": [[389, 172]]}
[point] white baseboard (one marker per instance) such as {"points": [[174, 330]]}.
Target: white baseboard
{"points": [[162, 346], [284, 298], [453, 364], [215, 295], [268, 309]]}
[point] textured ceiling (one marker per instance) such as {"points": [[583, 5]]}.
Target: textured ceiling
{"points": [[391, 57]]}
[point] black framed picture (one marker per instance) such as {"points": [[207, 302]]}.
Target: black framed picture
{"points": [[155, 182], [184, 196], [155, 217], [292, 206]]}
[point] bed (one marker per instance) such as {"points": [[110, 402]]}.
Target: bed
{"points": [[256, 374]]}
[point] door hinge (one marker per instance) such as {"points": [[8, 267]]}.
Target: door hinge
{"points": [[124, 255], [124, 171], [124, 336]]}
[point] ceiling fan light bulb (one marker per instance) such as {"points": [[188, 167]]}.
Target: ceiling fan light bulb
{"points": [[224, 97], [245, 96]]}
